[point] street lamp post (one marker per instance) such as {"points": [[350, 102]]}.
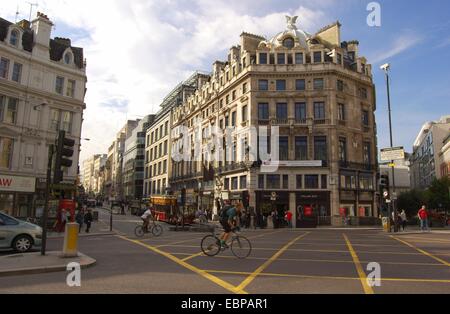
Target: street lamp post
{"points": [[386, 68]]}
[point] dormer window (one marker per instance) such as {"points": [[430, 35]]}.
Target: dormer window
{"points": [[14, 38], [289, 43], [68, 58]]}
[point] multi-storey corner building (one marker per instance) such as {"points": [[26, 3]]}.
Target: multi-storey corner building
{"points": [[444, 157], [158, 137], [133, 160], [42, 90], [425, 162], [317, 92], [91, 174]]}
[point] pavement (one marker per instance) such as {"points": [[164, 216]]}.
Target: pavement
{"points": [[35, 263]]}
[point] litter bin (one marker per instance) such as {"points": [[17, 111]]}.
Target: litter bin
{"points": [[386, 224]]}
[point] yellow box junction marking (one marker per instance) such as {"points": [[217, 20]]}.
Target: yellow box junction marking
{"points": [[422, 251], [260, 269], [194, 269], [362, 275]]}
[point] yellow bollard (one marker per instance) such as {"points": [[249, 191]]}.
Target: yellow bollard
{"points": [[70, 248]]}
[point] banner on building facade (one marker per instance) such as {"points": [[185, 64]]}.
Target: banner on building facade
{"points": [[17, 184]]}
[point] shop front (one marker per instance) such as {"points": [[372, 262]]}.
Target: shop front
{"points": [[268, 202], [17, 195], [313, 207]]}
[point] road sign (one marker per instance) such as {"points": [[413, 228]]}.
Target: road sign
{"points": [[389, 154], [392, 165], [386, 194]]}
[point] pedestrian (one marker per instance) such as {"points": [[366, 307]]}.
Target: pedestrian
{"points": [[63, 220], [88, 220], [79, 219], [404, 219], [288, 217], [423, 216]]}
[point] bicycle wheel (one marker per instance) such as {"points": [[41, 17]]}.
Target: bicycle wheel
{"points": [[241, 247], [157, 230], [210, 245], [139, 231]]}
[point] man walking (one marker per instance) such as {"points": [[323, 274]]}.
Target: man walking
{"points": [[403, 219], [88, 220], [79, 219], [423, 216], [288, 217]]}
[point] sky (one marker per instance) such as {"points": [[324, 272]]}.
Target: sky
{"points": [[137, 51]]}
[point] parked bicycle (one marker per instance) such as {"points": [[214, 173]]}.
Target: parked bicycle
{"points": [[239, 245], [152, 228]]}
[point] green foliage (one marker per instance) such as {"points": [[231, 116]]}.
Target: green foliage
{"points": [[438, 194], [411, 201]]}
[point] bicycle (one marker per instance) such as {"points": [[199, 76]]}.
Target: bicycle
{"points": [[153, 228], [239, 245]]}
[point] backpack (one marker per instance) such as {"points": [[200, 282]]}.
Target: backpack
{"points": [[223, 211]]}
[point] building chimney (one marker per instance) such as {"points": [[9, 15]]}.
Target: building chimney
{"points": [[42, 28]]}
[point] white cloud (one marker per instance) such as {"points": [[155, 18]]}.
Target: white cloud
{"points": [[137, 51], [403, 42]]}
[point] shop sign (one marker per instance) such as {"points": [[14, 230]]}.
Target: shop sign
{"points": [[235, 196], [17, 184]]}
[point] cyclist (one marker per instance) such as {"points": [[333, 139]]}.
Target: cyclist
{"points": [[146, 217], [228, 221]]}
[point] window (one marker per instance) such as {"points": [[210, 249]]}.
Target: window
{"points": [[68, 58], [66, 121], [300, 84], [363, 93], [233, 118], [8, 221], [234, 183], [281, 85], [4, 68], [70, 88], [262, 58], [243, 182], [342, 149], [319, 110], [281, 58], [288, 43], [318, 84], [272, 58], [348, 181], [244, 113], [59, 87], [317, 56], [165, 147], [8, 109], [301, 148], [282, 111], [366, 183], [324, 181], [263, 111], [289, 58], [261, 181], [320, 148], [341, 112], [14, 38], [244, 88], [273, 181], [233, 95], [311, 181], [367, 152], [300, 111], [17, 72], [339, 58], [6, 150], [263, 84], [227, 99], [165, 166], [54, 119], [299, 58], [284, 148], [166, 128], [285, 181], [340, 85], [299, 182], [226, 184], [365, 118]]}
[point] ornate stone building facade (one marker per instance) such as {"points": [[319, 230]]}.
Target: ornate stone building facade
{"points": [[289, 120]]}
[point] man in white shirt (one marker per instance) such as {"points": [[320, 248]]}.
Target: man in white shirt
{"points": [[146, 218]]}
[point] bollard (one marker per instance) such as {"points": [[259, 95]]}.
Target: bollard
{"points": [[70, 248]]}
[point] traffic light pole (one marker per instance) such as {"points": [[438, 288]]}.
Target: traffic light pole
{"points": [[394, 207], [47, 195]]}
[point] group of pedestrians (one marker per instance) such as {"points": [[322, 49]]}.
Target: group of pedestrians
{"points": [[84, 216]]}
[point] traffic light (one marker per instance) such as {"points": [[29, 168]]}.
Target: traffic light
{"points": [[64, 151], [384, 186]]}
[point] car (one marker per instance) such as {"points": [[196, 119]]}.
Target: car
{"points": [[18, 235]]}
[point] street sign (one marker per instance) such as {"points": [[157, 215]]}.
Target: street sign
{"points": [[389, 154], [392, 165], [386, 194]]}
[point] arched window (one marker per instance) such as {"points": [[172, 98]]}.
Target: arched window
{"points": [[14, 38], [68, 58], [288, 43]]}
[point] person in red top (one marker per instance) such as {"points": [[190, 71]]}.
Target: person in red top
{"points": [[288, 217], [423, 216]]}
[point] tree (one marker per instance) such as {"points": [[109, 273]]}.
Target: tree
{"points": [[438, 194], [411, 201]]}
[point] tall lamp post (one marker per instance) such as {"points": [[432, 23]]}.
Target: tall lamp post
{"points": [[386, 67]]}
